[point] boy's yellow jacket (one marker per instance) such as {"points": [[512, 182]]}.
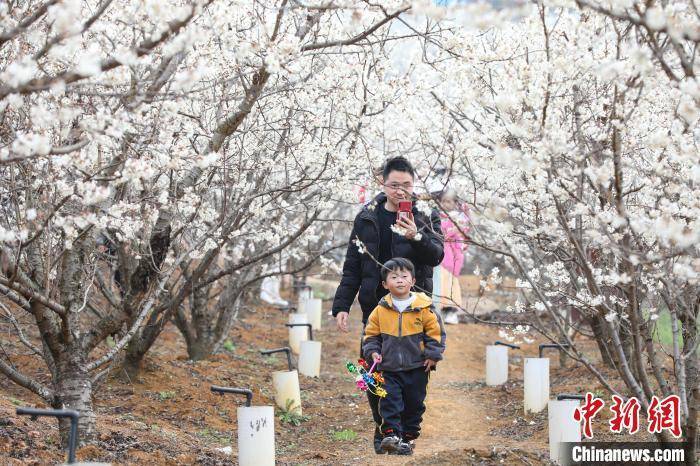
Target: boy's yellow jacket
{"points": [[404, 339]]}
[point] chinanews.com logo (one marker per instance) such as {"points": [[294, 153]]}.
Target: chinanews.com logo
{"points": [[661, 415], [619, 453]]}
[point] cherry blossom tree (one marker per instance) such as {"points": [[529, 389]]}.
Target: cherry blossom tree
{"points": [[573, 134], [149, 153], [157, 158]]}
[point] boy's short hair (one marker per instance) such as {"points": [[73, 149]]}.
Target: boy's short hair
{"points": [[397, 263], [397, 164]]}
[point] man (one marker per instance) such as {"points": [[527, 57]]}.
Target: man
{"points": [[421, 244]]}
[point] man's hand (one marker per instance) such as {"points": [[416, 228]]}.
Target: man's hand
{"points": [[429, 364], [341, 320], [377, 358], [409, 225]]}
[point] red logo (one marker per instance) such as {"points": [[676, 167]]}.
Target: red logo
{"points": [[626, 415], [664, 414], [587, 412]]}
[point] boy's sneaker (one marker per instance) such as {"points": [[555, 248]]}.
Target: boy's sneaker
{"points": [[410, 439], [378, 442], [390, 444], [395, 446], [403, 448]]}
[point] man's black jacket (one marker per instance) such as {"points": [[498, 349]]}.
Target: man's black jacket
{"points": [[361, 273]]}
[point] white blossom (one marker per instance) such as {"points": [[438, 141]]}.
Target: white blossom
{"points": [[655, 17], [18, 73]]}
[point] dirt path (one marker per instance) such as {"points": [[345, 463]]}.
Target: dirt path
{"points": [[463, 415], [453, 419], [168, 416]]}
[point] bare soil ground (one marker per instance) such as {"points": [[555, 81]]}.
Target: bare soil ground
{"points": [[168, 415]]}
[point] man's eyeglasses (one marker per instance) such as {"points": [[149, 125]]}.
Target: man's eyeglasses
{"points": [[404, 186]]}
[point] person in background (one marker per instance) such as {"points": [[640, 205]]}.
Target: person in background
{"points": [[365, 192], [270, 286], [447, 292], [270, 292], [421, 244]]}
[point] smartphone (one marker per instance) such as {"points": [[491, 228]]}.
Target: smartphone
{"points": [[405, 208]]}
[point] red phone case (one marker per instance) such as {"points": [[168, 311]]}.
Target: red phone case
{"points": [[405, 208]]}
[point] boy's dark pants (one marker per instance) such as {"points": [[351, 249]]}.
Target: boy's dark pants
{"points": [[402, 409], [374, 406]]}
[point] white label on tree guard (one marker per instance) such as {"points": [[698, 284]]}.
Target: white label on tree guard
{"points": [[256, 436], [255, 426]]}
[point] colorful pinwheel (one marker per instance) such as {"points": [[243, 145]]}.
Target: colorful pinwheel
{"points": [[366, 379]]}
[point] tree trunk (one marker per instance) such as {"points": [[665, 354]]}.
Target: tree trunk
{"points": [[132, 362], [563, 358], [200, 349], [74, 391], [142, 342], [602, 339], [203, 319], [690, 427], [208, 323], [626, 338], [199, 331]]}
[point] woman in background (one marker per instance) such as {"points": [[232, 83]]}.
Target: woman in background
{"points": [[447, 293]]}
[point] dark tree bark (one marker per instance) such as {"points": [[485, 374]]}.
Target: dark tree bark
{"points": [[690, 342], [602, 339], [73, 388]]}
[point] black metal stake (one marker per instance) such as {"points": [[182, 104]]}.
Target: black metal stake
{"points": [[558, 346], [567, 396], [506, 344], [299, 285], [311, 334], [280, 350], [238, 391], [59, 413]]}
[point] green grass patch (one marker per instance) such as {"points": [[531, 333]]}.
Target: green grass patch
{"points": [[663, 331], [167, 395], [269, 359], [214, 436], [229, 346], [345, 434], [291, 416]]}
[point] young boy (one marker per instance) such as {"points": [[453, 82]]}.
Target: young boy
{"points": [[406, 338]]}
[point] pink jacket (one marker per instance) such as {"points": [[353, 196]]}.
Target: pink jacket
{"points": [[455, 244]]}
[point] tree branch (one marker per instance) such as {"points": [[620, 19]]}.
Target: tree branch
{"points": [[68, 77], [26, 22], [24, 381], [357, 38]]}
